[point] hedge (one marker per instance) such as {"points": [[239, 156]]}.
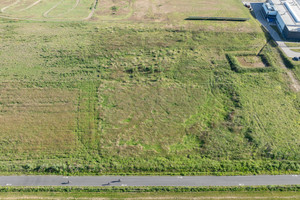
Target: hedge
{"points": [[149, 188]]}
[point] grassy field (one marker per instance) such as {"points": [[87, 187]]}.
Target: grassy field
{"points": [[296, 50], [217, 192], [136, 92], [133, 10], [292, 44]]}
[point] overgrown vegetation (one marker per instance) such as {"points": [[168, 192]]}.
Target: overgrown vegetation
{"points": [[273, 192], [126, 98], [266, 60], [122, 189]]}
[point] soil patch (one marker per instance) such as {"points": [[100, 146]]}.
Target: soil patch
{"points": [[251, 61]]}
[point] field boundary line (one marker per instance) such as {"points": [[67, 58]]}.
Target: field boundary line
{"points": [[13, 4], [31, 5], [48, 11]]}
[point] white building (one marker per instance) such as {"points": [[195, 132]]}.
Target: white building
{"points": [[286, 14]]}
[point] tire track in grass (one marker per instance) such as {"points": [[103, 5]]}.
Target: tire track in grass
{"points": [[48, 11], [77, 3], [13, 4], [31, 5], [75, 6], [294, 83], [93, 10]]}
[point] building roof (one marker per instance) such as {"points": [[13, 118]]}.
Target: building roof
{"points": [[289, 10]]}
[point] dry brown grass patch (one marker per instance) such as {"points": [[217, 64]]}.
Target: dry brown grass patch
{"points": [[251, 61], [34, 119]]}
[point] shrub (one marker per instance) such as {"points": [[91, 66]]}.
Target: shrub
{"points": [[114, 8]]}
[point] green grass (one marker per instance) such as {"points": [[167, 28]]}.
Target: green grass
{"points": [[296, 50], [155, 195], [237, 192], [292, 44], [143, 98], [49, 10]]}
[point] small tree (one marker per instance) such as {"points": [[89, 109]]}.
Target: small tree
{"points": [[114, 8]]}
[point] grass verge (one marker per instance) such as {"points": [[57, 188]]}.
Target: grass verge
{"points": [[152, 195]]}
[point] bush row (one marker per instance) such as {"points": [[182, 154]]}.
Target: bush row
{"points": [[149, 188], [191, 166]]}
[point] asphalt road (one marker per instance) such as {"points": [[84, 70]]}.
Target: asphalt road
{"points": [[148, 180]]}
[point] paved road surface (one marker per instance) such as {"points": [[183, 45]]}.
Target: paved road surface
{"points": [[257, 8], [148, 180]]}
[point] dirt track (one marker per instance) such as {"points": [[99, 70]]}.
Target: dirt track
{"points": [[294, 82], [149, 180], [77, 3], [31, 5], [48, 11], [75, 6], [93, 11], [13, 4]]}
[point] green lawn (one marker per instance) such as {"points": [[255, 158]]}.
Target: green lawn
{"points": [[296, 50], [153, 195], [292, 44]]}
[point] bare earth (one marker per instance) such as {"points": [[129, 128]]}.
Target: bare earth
{"points": [[251, 61]]}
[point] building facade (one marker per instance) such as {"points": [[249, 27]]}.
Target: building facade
{"points": [[286, 15]]}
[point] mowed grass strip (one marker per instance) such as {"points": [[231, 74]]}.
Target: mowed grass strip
{"points": [[152, 195], [145, 11], [40, 120]]}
